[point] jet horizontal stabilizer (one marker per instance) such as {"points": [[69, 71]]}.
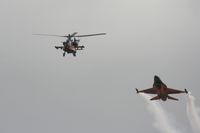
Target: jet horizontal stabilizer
{"points": [[155, 98], [172, 98]]}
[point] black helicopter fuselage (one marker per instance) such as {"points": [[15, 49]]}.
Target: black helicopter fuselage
{"points": [[69, 48]]}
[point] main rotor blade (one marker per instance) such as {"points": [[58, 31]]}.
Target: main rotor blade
{"points": [[49, 35], [90, 35], [73, 34]]}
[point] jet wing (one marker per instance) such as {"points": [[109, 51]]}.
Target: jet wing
{"points": [[155, 98], [172, 98], [174, 91], [149, 91]]}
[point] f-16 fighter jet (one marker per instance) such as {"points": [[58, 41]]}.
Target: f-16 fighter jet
{"points": [[161, 90]]}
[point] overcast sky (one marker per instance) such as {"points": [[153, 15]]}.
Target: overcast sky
{"points": [[42, 92]]}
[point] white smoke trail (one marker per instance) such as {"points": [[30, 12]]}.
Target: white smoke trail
{"points": [[192, 113], [162, 123]]}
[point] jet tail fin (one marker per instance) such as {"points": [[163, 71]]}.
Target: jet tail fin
{"points": [[172, 98], [155, 98]]}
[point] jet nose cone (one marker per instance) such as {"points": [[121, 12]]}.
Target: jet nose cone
{"points": [[156, 77]]}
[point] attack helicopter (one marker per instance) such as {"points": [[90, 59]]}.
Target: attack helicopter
{"points": [[71, 45]]}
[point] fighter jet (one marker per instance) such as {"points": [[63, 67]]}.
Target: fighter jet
{"points": [[161, 90]]}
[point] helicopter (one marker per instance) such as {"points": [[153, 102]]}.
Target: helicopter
{"points": [[71, 45]]}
